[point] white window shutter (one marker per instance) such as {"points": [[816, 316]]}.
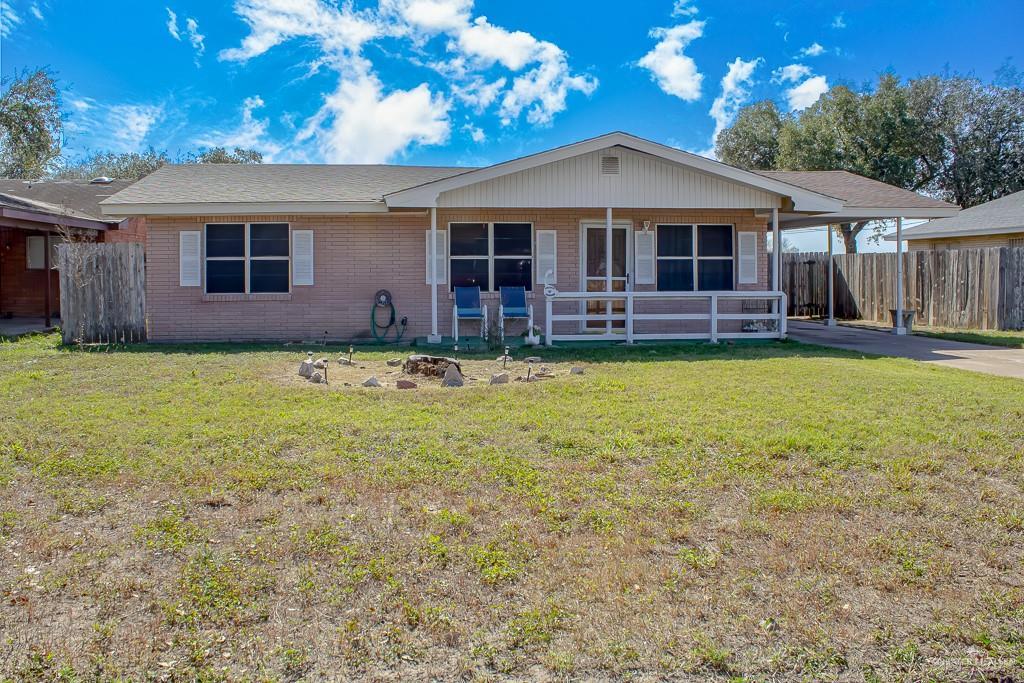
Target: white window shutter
{"points": [[189, 258], [547, 257], [34, 252], [442, 256], [302, 257], [644, 256], [747, 258]]}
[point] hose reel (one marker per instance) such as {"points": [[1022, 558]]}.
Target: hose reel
{"points": [[383, 303]]}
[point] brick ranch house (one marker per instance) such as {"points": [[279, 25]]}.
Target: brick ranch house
{"points": [[297, 252], [34, 216]]}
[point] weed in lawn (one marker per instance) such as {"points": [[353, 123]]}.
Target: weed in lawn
{"points": [[171, 531]]}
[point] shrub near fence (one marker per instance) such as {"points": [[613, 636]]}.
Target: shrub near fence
{"points": [[102, 292], [966, 288]]}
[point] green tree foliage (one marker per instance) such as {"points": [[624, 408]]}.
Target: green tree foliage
{"points": [[31, 128], [955, 138], [135, 165]]}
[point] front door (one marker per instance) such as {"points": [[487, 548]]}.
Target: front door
{"points": [[595, 269]]}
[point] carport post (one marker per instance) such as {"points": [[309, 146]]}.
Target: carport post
{"points": [[899, 327], [831, 322]]}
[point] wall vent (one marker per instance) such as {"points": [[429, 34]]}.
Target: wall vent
{"points": [[609, 165]]}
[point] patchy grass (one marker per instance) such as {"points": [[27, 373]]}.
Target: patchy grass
{"points": [[755, 512], [1009, 338]]}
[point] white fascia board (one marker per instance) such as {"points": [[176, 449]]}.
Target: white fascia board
{"points": [[914, 234], [855, 214], [238, 208], [426, 195]]}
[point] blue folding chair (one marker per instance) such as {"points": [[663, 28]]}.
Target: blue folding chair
{"points": [[513, 306], [468, 307]]}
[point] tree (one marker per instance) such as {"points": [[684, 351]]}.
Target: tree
{"points": [[753, 140], [31, 128], [135, 165], [952, 137]]}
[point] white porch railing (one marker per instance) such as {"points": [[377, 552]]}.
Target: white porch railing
{"points": [[713, 315]]}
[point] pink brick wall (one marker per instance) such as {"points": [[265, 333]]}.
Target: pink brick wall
{"points": [[353, 258]]}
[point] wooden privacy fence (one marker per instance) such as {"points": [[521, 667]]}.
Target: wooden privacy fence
{"points": [[102, 292], [965, 288]]}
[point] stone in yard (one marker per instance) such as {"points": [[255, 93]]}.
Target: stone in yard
{"points": [[532, 359], [502, 359], [320, 363], [316, 378], [306, 369], [345, 361], [394, 362], [576, 371], [452, 377], [371, 381], [406, 384], [500, 378], [430, 366]]}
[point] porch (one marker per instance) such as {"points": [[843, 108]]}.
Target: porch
{"points": [[12, 328]]}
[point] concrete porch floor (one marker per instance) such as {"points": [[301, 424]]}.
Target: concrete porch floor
{"points": [[992, 360], [11, 328]]}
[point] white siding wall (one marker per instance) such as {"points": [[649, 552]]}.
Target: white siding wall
{"points": [[644, 181]]}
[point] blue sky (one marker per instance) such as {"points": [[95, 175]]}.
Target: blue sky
{"points": [[463, 82]]}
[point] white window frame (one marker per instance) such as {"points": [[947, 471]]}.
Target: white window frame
{"points": [[48, 243], [491, 257], [695, 256], [247, 257]]}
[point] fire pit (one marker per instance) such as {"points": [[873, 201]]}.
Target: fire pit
{"points": [[429, 366]]}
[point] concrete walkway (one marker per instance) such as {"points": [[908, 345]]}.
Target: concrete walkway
{"points": [[12, 328], [993, 360]]}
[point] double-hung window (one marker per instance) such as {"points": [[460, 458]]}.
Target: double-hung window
{"points": [[246, 258], [695, 257], [491, 255]]}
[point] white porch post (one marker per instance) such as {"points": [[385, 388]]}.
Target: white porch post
{"points": [[434, 338], [899, 328], [831, 321], [608, 267], [776, 257]]}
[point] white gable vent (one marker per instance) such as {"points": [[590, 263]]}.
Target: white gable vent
{"points": [[609, 164]]}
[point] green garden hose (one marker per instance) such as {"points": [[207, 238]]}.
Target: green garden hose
{"points": [[380, 332]]}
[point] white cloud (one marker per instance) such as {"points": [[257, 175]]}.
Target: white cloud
{"points": [[475, 132], [130, 123], [735, 92], [36, 12], [673, 71], [195, 37], [365, 120], [806, 93], [172, 24], [812, 50], [684, 8], [790, 73], [839, 21], [358, 123], [112, 127], [251, 133], [9, 19]]}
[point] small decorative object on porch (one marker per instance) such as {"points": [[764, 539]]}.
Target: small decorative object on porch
{"points": [[306, 367], [405, 384], [452, 377], [429, 366], [371, 381], [499, 378], [532, 337]]}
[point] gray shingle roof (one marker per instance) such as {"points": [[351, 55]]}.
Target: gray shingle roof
{"points": [[856, 191], [1002, 215], [73, 197], [195, 183]]}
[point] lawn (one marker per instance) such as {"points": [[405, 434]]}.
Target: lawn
{"points": [[1010, 338], [770, 512]]}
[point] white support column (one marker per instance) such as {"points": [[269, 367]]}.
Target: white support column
{"points": [[899, 328], [776, 249], [608, 266], [831, 320], [434, 338]]}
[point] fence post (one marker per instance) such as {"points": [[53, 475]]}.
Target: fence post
{"points": [[714, 319], [547, 320]]}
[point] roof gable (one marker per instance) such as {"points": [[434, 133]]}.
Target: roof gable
{"points": [[999, 216]]}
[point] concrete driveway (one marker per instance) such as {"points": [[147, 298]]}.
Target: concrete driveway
{"points": [[993, 360]]}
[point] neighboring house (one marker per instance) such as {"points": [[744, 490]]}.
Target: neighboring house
{"points": [[999, 223], [33, 215], [292, 252]]}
